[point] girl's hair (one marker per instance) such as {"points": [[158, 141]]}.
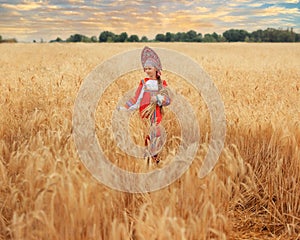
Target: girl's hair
{"points": [[159, 82], [160, 86]]}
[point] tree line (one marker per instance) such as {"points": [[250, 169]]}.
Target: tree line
{"points": [[232, 35], [8, 40]]}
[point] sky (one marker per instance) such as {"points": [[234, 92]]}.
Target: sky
{"points": [[28, 20]]}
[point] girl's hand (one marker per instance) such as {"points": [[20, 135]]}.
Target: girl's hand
{"points": [[153, 99], [121, 108]]}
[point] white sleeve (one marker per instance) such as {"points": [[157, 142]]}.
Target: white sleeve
{"points": [[137, 104]]}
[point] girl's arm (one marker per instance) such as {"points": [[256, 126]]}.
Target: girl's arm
{"points": [[134, 99]]}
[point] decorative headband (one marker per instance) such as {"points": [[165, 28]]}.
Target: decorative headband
{"points": [[149, 58]]}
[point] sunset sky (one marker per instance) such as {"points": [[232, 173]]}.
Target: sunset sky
{"points": [[30, 20]]}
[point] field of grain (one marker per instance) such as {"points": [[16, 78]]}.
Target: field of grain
{"points": [[252, 193]]}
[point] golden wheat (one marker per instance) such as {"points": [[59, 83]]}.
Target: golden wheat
{"points": [[253, 193]]}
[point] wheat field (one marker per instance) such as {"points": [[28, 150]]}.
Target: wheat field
{"points": [[252, 193]]}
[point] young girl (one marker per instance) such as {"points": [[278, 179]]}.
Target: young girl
{"points": [[150, 97]]}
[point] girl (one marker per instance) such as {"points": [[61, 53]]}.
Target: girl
{"points": [[150, 96]]}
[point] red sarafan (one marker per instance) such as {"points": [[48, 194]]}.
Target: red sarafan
{"points": [[150, 97]]}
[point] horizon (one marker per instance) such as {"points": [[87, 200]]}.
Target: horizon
{"points": [[28, 20]]}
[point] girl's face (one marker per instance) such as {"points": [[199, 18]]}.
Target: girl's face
{"points": [[151, 72]]}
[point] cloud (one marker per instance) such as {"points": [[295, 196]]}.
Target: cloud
{"points": [[275, 11], [71, 13], [14, 14], [23, 6], [255, 5], [233, 19], [202, 9], [76, 1], [21, 31], [291, 1]]}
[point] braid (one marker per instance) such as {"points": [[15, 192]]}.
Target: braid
{"points": [[159, 82], [160, 86]]}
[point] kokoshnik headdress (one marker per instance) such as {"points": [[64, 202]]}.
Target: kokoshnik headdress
{"points": [[149, 58]]}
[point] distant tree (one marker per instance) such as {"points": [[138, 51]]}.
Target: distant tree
{"points": [[293, 35], [116, 38], [297, 37], [160, 37], [78, 38], [208, 38], [218, 37], [247, 39], [273, 35], [123, 37], [284, 36], [144, 39], [170, 37], [269, 35], [58, 39], [133, 38], [257, 36], [177, 36], [184, 37], [110, 39], [181, 37], [215, 36], [230, 35], [279, 35], [198, 37], [94, 39], [9, 40], [235, 35], [191, 36], [105, 36], [222, 39], [86, 39]]}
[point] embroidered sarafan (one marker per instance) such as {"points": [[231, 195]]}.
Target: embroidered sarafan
{"points": [[142, 98]]}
